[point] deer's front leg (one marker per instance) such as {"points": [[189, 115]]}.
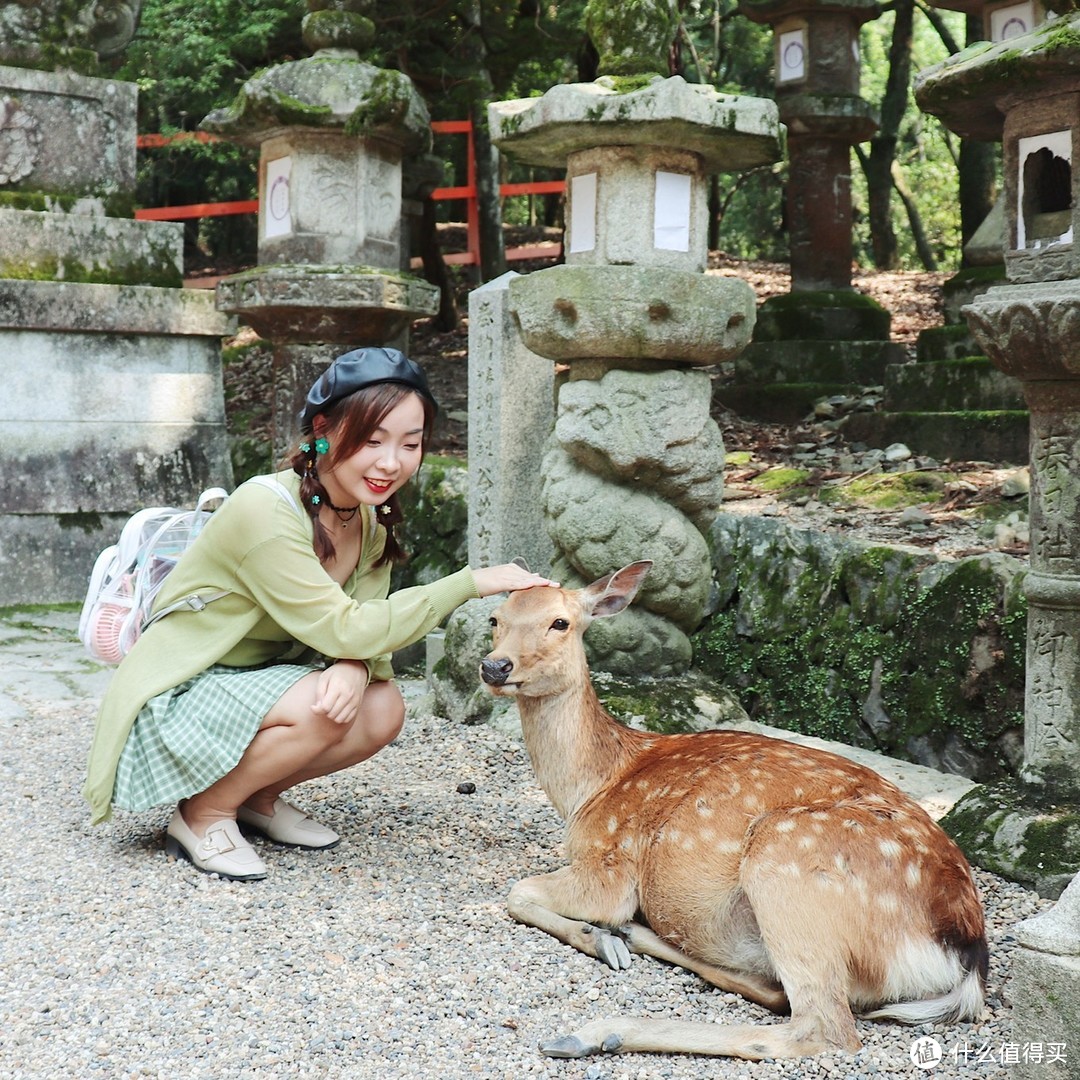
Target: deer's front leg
{"points": [[567, 908]]}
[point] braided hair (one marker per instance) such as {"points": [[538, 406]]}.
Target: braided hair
{"points": [[353, 420]]}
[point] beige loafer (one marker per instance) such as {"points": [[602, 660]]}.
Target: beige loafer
{"points": [[222, 851], [289, 825]]}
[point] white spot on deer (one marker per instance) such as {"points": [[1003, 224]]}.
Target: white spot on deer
{"points": [[913, 873], [753, 802], [612, 824], [798, 792], [785, 825], [820, 815], [855, 826], [890, 849], [729, 847], [790, 869], [806, 842], [888, 902], [704, 809]]}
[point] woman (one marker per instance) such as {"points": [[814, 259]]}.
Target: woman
{"points": [[285, 675]]}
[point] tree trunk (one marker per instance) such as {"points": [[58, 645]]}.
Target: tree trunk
{"points": [[977, 168], [879, 162], [489, 205], [435, 267], [918, 233]]}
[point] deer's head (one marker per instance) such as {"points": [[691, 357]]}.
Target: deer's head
{"points": [[536, 633]]}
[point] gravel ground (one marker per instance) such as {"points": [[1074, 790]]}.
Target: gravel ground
{"points": [[389, 956]]}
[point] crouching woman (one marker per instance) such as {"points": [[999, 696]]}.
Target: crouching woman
{"points": [[285, 676]]}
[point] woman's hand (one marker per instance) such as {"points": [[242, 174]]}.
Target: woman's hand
{"points": [[507, 578], [341, 689]]}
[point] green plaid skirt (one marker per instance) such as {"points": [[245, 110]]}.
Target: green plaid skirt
{"points": [[192, 735]]}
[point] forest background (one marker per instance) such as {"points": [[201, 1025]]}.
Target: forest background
{"points": [[919, 192]]}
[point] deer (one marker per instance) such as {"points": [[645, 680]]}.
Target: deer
{"points": [[803, 881]]}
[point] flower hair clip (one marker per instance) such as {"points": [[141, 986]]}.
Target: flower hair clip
{"points": [[321, 445], [385, 509], [315, 500]]}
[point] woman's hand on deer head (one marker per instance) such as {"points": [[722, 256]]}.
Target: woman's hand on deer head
{"points": [[508, 578]]}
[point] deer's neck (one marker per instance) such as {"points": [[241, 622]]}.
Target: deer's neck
{"points": [[574, 745]]}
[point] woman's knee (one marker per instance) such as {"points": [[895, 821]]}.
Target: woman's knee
{"points": [[383, 712]]}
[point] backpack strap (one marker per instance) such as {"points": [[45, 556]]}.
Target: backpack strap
{"points": [[274, 485], [194, 602]]}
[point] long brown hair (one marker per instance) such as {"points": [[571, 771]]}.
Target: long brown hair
{"points": [[352, 421]]}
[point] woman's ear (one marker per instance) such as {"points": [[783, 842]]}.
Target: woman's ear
{"points": [[319, 425]]}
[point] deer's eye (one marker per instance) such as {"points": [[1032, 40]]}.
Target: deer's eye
{"points": [[493, 621], [560, 624]]}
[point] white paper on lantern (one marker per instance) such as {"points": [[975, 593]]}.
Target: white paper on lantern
{"points": [[277, 213], [1012, 21], [583, 212], [791, 56], [671, 213]]}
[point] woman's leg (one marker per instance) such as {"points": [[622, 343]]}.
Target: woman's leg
{"points": [[295, 743]]}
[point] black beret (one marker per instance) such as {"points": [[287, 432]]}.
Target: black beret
{"points": [[362, 367]]}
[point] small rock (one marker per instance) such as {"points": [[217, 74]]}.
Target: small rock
{"points": [[1016, 483], [467, 788], [897, 452], [914, 517]]}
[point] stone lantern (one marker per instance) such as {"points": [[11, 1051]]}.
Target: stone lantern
{"points": [[823, 337], [633, 470], [332, 132], [1026, 91], [112, 371]]}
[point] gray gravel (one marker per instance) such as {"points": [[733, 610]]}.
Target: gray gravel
{"points": [[390, 956]]}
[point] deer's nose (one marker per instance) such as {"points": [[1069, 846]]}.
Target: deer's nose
{"points": [[495, 672]]}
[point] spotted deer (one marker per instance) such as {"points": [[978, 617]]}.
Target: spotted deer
{"points": [[799, 879]]}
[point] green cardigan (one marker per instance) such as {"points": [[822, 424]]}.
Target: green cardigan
{"points": [[258, 546]]}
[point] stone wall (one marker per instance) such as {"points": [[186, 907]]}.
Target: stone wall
{"points": [[882, 647]]}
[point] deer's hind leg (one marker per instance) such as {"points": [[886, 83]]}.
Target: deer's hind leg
{"points": [[643, 941]]}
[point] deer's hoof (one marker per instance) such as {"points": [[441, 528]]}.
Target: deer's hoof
{"points": [[611, 949], [595, 1038]]}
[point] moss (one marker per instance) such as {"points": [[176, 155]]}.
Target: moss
{"points": [[89, 521], [387, 104], [821, 650], [663, 707], [51, 268], [1011, 829], [738, 457], [780, 480], [291, 110], [887, 491], [823, 298]]}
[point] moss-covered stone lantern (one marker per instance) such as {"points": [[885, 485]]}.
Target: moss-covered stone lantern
{"points": [[332, 132], [634, 468], [1026, 91], [823, 337]]}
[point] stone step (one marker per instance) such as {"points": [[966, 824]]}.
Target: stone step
{"points": [[999, 436], [950, 342], [781, 403], [966, 384], [856, 363]]}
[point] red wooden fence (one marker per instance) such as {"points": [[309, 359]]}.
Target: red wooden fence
{"points": [[465, 192]]}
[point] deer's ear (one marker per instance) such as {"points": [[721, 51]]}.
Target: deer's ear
{"points": [[610, 594]]}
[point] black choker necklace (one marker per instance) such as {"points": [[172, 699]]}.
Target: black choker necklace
{"points": [[345, 514]]}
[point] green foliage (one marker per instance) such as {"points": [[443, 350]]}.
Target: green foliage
{"points": [[927, 153]]}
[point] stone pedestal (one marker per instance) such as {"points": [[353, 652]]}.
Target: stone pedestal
{"points": [[1045, 990], [112, 401], [113, 396]]}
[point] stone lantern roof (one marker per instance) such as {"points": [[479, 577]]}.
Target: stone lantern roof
{"points": [[333, 90], [973, 90], [728, 132]]}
